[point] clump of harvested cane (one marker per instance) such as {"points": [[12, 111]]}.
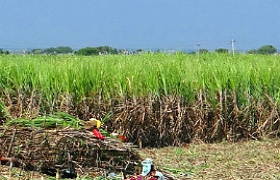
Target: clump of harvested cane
{"points": [[52, 150]]}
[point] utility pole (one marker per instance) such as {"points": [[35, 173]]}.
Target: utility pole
{"points": [[233, 46]]}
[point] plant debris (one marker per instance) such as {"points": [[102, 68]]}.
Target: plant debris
{"points": [[68, 149]]}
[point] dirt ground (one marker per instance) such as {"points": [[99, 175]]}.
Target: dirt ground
{"points": [[245, 160], [253, 160]]}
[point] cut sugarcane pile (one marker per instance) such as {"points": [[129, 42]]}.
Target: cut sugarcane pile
{"points": [[52, 150]]}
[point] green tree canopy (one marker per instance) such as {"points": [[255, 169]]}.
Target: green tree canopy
{"points": [[203, 51], [2, 51], [267, 49], [139, 50], [221, 50], [96, 51], [252, 51], [37, 51], [87, 51], [58, 50]]}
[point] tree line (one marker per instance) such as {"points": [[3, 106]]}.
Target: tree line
{"points": [[266, 50], [87, 51], [103, 50]]}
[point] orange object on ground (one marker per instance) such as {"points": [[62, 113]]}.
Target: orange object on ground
{"points": [[122, 138], [97, 134], [3, 159]]}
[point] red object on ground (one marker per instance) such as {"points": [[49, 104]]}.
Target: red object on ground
{"points": [[97, 134], [136, 178], [122, 138], [4, 160]]}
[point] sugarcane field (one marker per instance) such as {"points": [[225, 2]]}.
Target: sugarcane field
{"points": [[143, 116], [139, 90]]}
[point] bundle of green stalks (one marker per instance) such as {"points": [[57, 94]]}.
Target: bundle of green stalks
{"points": [[50, 121], [174, 98]]}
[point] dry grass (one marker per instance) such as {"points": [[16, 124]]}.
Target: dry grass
{"points": [[15, 173], [244, 160]]}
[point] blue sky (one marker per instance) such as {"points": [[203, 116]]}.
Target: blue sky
{"points": [[175, 24]]}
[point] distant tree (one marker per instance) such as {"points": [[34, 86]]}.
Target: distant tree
{"points": [[2, 51], [267, 49], [49, 51], [37, 51], [139, 51], [191, 52], [107, 50], [203, 51], [157, 51], [221, 50], [59, 50], [96, 51], [252, 51], [88, 51]]}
